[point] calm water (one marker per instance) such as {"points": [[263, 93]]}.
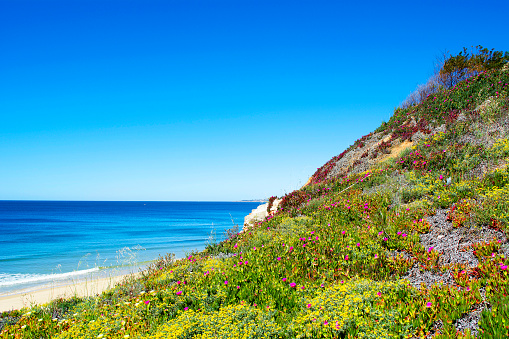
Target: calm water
{"points": [[43, 242]]}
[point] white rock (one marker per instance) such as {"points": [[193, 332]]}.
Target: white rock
{"points": [[260, 213]]}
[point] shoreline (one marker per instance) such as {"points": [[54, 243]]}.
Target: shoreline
{"points": [[83, 288]]}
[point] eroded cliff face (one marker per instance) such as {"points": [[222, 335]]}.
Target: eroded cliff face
{"points": [[260, 213]]}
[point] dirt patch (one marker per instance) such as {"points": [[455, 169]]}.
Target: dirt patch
{"points": [[396, 150]]}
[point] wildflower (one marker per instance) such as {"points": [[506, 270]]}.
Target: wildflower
{"points": [[238, 287], [147, 302], [379, 294], [186, 308], [380, 233], [302, 288], [503, 267], [429, 304], [346, 257], [226, 282], [179, 292], [278, 258], [236, 245], [308, 306], [358, 244], [385, 239], [376, 256], [430, 249], [326, 322], [284, 279], [293, 284]]}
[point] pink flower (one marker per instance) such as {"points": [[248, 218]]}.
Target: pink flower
{"points": [[236, 245], [343, 232], [399, 233], [430, 249], [376, 256], [380, 233], [238, 287], [278, 258], [178, 282], [302, 288], [291, 248], [379, 294], [308, 305], [346, 257], [147, 302], [179, 292], [358, 244], [284, 279], [503, 267], [226, 282], [293, 284], [186, 308], [429, 304], [326, 322]]}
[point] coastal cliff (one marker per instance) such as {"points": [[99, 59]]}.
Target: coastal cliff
{"points": [[402, 235]]}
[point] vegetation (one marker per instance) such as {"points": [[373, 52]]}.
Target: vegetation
{"points": [[340, 257]]}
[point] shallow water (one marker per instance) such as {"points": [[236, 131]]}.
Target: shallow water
{"points": [[52, 242]]}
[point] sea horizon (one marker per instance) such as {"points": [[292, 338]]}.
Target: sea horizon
{"points": [[54, 242]]}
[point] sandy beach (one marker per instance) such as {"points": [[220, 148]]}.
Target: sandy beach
{"points": [[81, 289]]}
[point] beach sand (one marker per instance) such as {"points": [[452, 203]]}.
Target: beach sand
{"points": [[42, 296]]}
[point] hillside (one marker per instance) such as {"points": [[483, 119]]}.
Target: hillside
{"points": [[402, 235]]}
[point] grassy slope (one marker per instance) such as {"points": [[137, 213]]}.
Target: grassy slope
{"points": [[330, 263]]}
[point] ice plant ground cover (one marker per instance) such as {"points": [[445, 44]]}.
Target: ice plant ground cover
{"points": [[413, 247]]}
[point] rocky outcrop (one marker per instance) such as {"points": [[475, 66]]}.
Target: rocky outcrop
{"points": [[260, 213]]}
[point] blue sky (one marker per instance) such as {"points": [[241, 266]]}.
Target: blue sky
{"points": [[208, 100]]}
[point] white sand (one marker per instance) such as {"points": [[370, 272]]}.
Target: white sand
{"points": [[42, 296]]}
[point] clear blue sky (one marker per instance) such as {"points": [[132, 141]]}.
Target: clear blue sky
{"points": [[208, 100]]}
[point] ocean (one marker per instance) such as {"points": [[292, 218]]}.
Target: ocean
{"points": [[46, 243]]}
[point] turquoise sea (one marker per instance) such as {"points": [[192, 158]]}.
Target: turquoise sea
{"points": [[46, 243]]}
